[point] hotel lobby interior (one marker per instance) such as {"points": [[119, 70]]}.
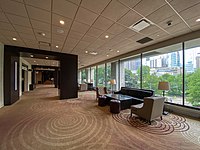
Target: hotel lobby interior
{"points": [[99, 74]]}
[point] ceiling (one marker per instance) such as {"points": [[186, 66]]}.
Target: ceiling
{"points": [[42, 62], [87, 22]]}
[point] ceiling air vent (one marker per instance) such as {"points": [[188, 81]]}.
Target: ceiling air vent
{"points": [[144, 40], [93, 53], [140, 25], [41, 43]]}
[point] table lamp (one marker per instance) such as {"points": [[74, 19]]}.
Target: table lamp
{"points": [[163, 86], [112, 82]]}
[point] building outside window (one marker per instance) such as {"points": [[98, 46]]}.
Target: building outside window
{"points": [[130, 72], [164, 64]]}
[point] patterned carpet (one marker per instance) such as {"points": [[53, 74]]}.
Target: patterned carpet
{"points": [[39, 121], [170, 123]]}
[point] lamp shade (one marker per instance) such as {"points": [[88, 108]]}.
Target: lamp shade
{"points": [[163, 86], [112, 81]]}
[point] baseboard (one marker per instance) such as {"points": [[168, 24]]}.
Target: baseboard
{"points": [[183, 110], [1, 105]]}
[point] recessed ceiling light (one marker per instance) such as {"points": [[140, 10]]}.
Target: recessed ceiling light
{"points": [[107, 36], [158, 35], [34, 61], [14, 39], [56, 46], [198, 20], [86, 51], [37, 64], [118, 51], [41, 33], [32, 56], [107, 55], [46, 57], [62, 22]]}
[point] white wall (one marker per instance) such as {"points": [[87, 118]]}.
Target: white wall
{"points": [[20, 74], [1, 75]]}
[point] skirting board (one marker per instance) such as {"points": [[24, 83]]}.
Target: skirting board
{"points": [[1, 105], [183, 110]]}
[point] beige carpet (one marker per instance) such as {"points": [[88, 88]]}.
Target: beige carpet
{"points": [[39, 121]]}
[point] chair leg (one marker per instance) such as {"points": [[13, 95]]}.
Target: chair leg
{"points": [[149, 122], [131, 113], [161, 117]]}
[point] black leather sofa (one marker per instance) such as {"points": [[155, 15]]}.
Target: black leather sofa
{"points": [[137, 94]]}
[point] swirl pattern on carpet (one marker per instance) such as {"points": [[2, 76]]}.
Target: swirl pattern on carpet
{"points": [[170, 123]]}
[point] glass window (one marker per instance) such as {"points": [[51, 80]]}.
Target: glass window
{"points": [[83, 76], [79, 76], [112, 74], [87, 75], [93, 75], [101, 75], [164, 64], [130, 72], [192, 73]]}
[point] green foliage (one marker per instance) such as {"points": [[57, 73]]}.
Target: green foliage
{"points": [[131, 79], [193, 88], [101, 76]]}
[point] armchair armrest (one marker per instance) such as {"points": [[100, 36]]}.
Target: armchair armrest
{"points": [[117, 92]]}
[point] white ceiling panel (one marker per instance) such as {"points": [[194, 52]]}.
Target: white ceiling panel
{"points": [[59, 30], [150, 30], [177, 28], [80, 27], [96, 6], [87, 22], [64, 8], [181, 5], [94, 32], [130, 3], [41, 25], [6, 26], [22, 29], [39, 14], [13, 7], [87, 38], [146, 7], [127, 33], [161, 14], [193, 23], [57, 18], [116, 29], [19, 20], [77, 2], [27, 36], [58, 37], [103, 23], [86, 16], [130, 18], [191, 12], [3, 18], [115, 10], [75, 35], [38, 33], [43, 4], [175, 19]]}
